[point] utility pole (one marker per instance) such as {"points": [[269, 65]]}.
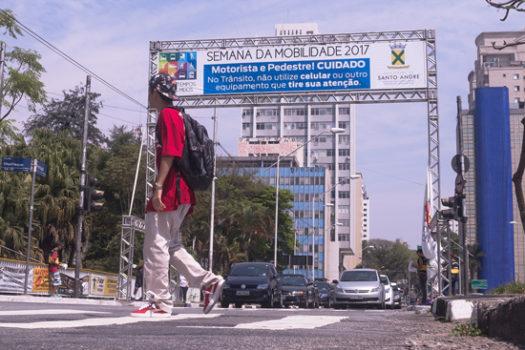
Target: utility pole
{"points": [[78, 237], [2, 63], [462, 217], [212, 218]]}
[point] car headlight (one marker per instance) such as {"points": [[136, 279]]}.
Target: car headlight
{"points": [[298, 292], [376, 289], [262, 286], [339, 290], [387, 290]]}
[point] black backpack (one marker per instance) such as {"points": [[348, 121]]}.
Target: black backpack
{"points": [[196, 163]]}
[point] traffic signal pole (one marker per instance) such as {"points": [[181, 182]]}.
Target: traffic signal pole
{"points": [[462, 217], [78, 238]]}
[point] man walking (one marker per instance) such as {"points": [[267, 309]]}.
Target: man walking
{"points": [[422, 274], [171, 201], [54, 273]]}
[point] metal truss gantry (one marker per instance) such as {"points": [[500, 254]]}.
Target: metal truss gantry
{"points": [[428, 95], [130, 224]]}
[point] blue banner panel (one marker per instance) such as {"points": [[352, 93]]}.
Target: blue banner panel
{"points": [[257, 77], [494, 185], [16, 164]]}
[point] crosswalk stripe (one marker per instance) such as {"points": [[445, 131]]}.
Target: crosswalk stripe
{"points": [[100, 321], [292, 322], [48, 312]]}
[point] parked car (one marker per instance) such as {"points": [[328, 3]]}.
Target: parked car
{"points": [[359, 287], [252, 283], [324, 293], [389, 293], [397, 295], [298, 290]]}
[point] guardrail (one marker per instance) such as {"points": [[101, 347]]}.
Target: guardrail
{"points": [[94, 283]]}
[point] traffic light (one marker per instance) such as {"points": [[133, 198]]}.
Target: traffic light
{"points": [[452, 203], [456, 211], [91, 195], [461, 209]]}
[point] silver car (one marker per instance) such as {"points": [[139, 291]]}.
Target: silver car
{"points": [[359, 287]]}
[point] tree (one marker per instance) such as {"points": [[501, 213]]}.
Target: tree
{"points": [[244, 221], [23, 71], [67, 115], [508, 5], [389, 258]]}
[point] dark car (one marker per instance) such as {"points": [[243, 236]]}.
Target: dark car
{"points": [[324, 293], [298, 290], [252, 283]]}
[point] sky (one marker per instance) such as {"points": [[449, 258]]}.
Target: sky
{"points": [[111, 38]]}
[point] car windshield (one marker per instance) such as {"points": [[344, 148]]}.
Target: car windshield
{"points": [[322, 286], [293, 281], [384, 279], [359, 276], [250, 270]]}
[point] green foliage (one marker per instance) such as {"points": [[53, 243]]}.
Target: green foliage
{"points": [[8, 22], [244, 223], [67, 115], [390, 258], [464, 329], [510, 288], [23, 70]]}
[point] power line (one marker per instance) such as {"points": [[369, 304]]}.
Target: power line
{"points": [[71, 60]]}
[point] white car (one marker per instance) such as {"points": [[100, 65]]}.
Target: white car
{"points": [[389, 292], [359, 286]]}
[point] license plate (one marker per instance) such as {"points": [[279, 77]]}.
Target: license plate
{"points": [[242, 292], [356, 297]]}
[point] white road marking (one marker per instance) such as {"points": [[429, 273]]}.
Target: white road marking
{"points": [[100, 321], [48, 312], [292, 322]]}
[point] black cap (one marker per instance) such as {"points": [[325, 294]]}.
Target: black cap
{"points": [[164, 84]]}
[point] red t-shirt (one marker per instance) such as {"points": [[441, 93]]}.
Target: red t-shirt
{"points": [[171, 127], [53, 261]]}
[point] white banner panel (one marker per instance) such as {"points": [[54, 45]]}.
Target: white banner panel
{"points": [[305, 68]]}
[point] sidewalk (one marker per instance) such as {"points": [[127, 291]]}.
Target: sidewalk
{"points": [[44, 299]]}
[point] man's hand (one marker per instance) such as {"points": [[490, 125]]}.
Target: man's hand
{"points": [[157, 201]]}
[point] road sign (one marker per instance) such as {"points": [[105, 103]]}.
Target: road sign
{"points": [[479, 284], [41, 168], [459, 184], [16, 164], [456, 163], [23, 165]]}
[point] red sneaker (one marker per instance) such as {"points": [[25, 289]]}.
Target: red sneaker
{"points": [[150, 310], [212, 295], [145, 311]]}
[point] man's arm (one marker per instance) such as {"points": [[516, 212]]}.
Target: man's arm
{"points": [[165, 165]]}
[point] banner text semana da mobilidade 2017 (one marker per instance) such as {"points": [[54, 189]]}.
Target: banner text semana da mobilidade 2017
{"points": [[297, 68]]}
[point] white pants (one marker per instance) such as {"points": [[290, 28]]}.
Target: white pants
{"points": [[162, 246]]}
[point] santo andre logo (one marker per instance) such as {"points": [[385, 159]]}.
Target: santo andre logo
{"points": [[398, 56]]}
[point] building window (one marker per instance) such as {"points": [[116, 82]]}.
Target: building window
{"points": [[517, 100], [344, 194], [344, 139], [321, 111], [516, 88], [344, 166], [344, 152], [343, 125], [344, 110], [344, 237], [516, 76], [246, 126]]}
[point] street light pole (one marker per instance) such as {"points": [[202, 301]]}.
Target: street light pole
{"points": [[276, 220]]}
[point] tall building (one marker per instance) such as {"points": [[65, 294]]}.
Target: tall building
{"points": [[310, 188], [307, 129], [366, 215], [497, 68]]}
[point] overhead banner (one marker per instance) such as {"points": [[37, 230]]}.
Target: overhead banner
{"points": [[305, 68]]}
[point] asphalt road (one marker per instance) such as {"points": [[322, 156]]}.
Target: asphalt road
{"points": [[44, 325]]}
